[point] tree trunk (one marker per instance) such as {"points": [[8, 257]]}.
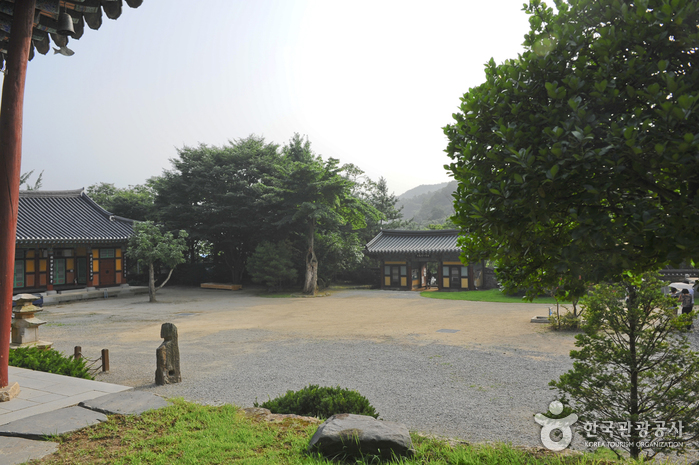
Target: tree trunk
{"points": [[238, 267], [151, 283], [166, 280], [192, 251], [234, 260], [311, 262], [634, 450]]}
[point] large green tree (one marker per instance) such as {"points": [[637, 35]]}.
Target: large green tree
{"points": [[214, 193], [312, 196], [385, 202], [580, 159]]}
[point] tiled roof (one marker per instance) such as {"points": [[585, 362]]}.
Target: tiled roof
{"points": [[67, 216], [422, 242], [46, 22]]}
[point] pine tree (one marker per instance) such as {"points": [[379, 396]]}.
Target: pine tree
{"points": [[634, 365]]}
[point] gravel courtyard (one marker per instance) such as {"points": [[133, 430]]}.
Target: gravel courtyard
{"points": [[483, 382]]}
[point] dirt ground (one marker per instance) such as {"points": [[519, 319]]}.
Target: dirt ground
{"points": [[374, 315], [391, 346]]}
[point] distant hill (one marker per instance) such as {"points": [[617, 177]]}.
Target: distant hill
{"points": [[421, 189], [433, 204]]}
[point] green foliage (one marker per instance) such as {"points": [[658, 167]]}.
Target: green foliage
{"points": [[215, 194], [310, 195], [134, 202], [566, 320], [385, 203], [24, 181], [634, 365], [579, 159], [48, 361], [232, 198], [150, 246], [192, 274], [320, 402], [271, 264]]}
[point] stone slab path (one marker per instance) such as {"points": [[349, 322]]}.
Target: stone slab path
{"points": [[47, 406]]}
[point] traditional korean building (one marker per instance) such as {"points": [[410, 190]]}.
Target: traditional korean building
{"points": [[66, 241], [405, 256]]}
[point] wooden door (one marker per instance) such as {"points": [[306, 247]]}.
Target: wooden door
{"points": [[107, 272], [81, 269], [455, 277], [395, 276]]}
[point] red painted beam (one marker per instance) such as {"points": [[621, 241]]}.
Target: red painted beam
{"points": [[10, 164]]}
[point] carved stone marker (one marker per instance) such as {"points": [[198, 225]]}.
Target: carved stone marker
{"points": [[168, 356]]}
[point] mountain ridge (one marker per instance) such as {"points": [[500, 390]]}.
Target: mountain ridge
{"points": [[434, 204], [422, 189]]}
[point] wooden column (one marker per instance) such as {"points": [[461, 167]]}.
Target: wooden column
{"points": [[10, 163]]}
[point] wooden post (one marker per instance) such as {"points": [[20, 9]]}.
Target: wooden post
{"points": [[105, 359], [77, 352], [10, 163]]}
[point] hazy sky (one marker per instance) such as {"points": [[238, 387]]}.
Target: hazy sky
{"points": [[369, 82]]}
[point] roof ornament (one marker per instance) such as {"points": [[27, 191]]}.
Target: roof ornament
{"points": [[65, 51], [64, 29], [65, 24]]}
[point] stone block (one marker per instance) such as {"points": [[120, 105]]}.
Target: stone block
{"points": [[9, 392], [354, 436]]}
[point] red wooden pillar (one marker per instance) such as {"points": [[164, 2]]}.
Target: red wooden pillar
{"points": [[10, 164]]}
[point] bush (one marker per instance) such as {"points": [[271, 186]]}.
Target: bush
{"points": [[565, 321], [320, 402], [48, 361]]}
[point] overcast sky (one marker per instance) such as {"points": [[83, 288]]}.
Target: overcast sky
{"points": [[369, 82]]}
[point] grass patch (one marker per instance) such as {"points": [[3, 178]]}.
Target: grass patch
{"points": [[288, 294], [186, 433], [491, 295], [275, 295]]}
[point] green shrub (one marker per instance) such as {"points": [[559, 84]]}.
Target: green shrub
{"points": [[321, 402], [565, 321], [49, 361]]}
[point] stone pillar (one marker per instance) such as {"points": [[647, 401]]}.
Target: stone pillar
{"points": [[25, 326], [168, 356]]}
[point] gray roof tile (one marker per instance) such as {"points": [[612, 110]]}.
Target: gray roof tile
{"points": [[67, 216], [406, 241]]}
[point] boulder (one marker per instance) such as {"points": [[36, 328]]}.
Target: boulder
{"points": [[349, 435]]}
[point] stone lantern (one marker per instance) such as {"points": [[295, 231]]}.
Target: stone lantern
{"points": [[25, 326]]}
